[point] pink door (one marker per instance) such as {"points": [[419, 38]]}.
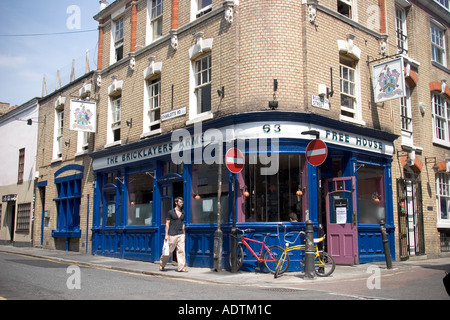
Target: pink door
{"points": [[342, 230]]}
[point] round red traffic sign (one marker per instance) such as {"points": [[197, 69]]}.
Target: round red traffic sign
{"points": [[316, 152], [234, 159]]}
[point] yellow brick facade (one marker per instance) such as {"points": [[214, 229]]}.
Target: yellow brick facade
{"points": [[267, 40]]}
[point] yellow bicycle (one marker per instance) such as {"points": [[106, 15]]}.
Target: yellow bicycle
{"points": [[324, 263]]}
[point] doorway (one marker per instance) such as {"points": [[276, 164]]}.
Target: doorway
{"points": [[342, 230], [170, 191], [410, 217], [11, 219]]}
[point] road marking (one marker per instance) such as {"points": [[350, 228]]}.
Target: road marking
{"points": [[2, 299]]}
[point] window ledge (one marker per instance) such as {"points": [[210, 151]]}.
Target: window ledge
{"points": [[150, 133], [81, 153], [56, 160], [113, 144], [351, 120], [440, 66], [201, 117]]}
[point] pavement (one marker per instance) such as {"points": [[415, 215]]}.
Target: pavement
{"points": [[206, 275]]}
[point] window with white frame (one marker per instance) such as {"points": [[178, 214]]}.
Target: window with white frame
{"points": [[59, 128], [202, 74], [348, 83], [154, 104], [443, 197], [82, 142], [438, 44], [116, 117], [401, 31], [344, 7], [406, 113], [444, 3], [441, 118], [156, 19], [118, 36], [200, 8]]}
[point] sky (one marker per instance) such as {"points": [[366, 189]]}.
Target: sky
{"points": [[25, 59]]}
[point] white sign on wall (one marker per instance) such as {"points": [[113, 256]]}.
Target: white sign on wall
{"points": [[83, 116], [389, 80]]}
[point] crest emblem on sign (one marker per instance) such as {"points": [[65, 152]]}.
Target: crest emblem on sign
{"points": [[389, 80], [82, 118]]}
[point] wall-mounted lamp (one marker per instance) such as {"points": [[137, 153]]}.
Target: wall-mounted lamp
{"points": [[274, 103], [129, 123], [67, 143], [221, 93], [432, 160]]}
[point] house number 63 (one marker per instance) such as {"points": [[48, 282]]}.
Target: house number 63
{"points": [[267, 128]]}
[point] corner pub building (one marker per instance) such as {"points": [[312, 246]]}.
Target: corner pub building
{"points": [[178, 82]]}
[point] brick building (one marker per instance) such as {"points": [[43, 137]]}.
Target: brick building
{"points": [[179, 82]]}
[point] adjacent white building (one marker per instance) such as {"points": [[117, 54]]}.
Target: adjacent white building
{"points": [[18, 146]]}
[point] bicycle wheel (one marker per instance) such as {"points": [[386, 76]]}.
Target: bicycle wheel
{"points": [[324, 264], [271, 265], [239, 257]]}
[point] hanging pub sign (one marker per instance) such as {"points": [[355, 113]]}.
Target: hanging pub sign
{"points": [[83, 116], [389, 80]]}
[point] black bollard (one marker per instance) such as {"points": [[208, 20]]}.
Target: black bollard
{"points": [[218, 241], [233, 250], [387, 251], [310, 273]]}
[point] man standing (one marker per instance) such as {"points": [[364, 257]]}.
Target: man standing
{"points": [[175, 234]]}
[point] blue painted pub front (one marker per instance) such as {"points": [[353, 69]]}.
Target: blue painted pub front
{"points": [[277, 190]]}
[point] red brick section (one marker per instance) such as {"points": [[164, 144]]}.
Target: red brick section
{"points": [[437, 86], [382, 6], [175, 14], [133, 26], [100, 47]]}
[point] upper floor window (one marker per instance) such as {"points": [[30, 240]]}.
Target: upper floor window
{"points": [[438, 44], [116, 117], [59, 128], [441, 118], [156, 19], [82, 142], [348, 87], [21, 166], [203, 84], [200, 8], [406, 113], [154, 104], [345, 8], [118, 39], [444, 3], [401, 31]]}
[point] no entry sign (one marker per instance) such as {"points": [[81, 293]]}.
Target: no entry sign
{"points": [[234, 160], [316, 152]]}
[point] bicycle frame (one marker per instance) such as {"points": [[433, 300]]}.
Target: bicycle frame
{"points": [[263, 246], [302, 247]]}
